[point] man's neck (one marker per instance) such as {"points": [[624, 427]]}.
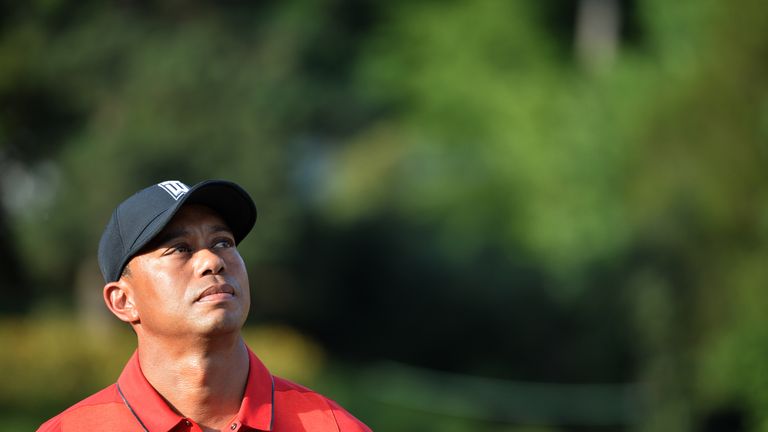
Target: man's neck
{"points": [[203, 382]]}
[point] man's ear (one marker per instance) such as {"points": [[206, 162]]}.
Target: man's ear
{"points": [[119, 299]]}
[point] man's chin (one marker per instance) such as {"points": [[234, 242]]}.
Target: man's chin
{"points": [[221, 325]]}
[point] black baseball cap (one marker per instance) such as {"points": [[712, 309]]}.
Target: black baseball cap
{"points": [[141, 217]]}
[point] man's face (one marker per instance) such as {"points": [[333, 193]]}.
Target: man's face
{"points": [[190, 280]]}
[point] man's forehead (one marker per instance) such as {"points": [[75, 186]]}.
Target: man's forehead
{"points": [[196, 214], [189, 218]]}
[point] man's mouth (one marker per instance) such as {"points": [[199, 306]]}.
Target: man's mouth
{"points": [[217, 292]]}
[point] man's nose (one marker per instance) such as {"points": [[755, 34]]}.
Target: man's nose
{"points": [[208, 262]]}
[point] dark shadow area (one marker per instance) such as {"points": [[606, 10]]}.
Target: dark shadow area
{"points": [[730, 418], [385, 289]]}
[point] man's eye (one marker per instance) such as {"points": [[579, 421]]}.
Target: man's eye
{"points": [[181, 248], [224, 243]]}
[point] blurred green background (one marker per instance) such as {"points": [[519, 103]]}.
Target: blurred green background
{"points": [[476, 215]]}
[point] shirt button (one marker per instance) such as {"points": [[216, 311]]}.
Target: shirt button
{"points": [[187, 422], [234, 426]]}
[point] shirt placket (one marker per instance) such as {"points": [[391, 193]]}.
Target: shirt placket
{"points": [[189, 425], [236, 426], [186, 425]]}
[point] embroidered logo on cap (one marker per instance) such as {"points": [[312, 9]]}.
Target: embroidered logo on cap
{"points": [[174, 188]]}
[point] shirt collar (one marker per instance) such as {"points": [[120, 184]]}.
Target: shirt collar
{"points": [[256, 409]]}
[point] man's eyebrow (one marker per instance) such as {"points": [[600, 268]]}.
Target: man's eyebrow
{"points": [[219, 228], [171, 234], [175, 233]]}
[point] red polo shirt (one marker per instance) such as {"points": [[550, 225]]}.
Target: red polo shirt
{"points": [[270, 403]]}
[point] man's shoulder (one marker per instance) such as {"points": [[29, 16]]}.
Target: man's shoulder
{"points": [[289, 392], [292, 399], [105, 402]]}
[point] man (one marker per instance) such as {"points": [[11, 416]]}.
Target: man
{"points": [[172, 272]]}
